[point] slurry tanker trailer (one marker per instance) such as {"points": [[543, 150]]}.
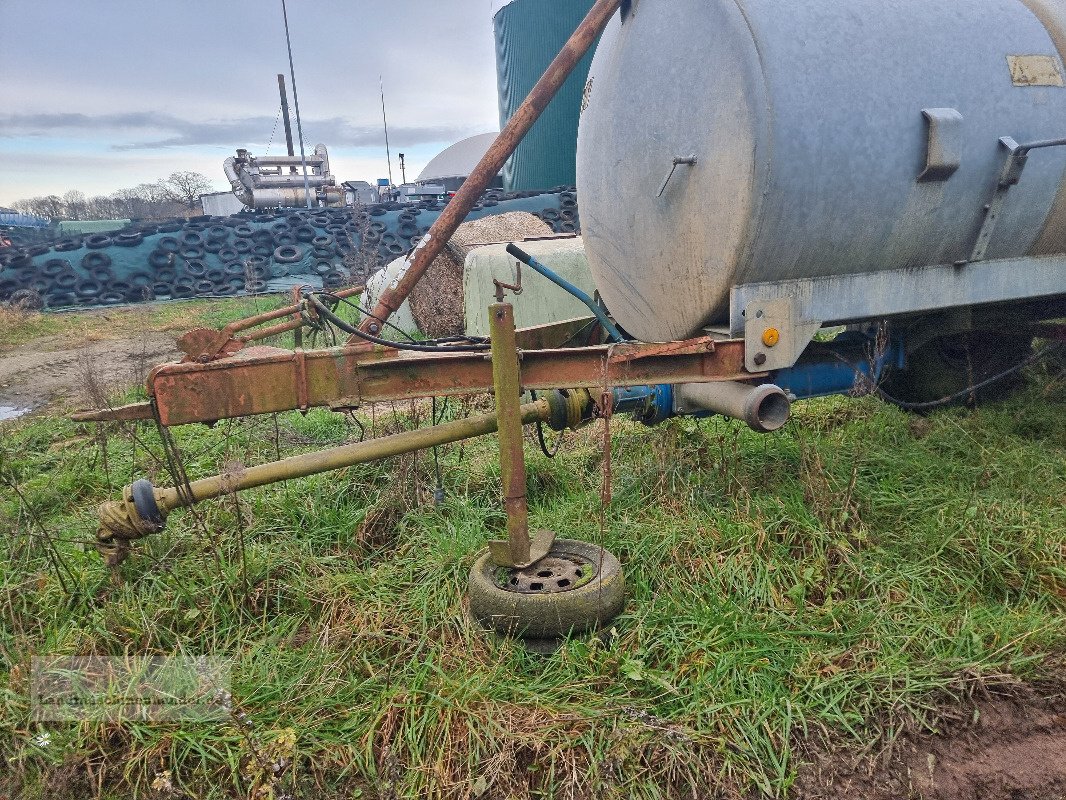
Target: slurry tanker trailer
{"points": [[751, 174]]}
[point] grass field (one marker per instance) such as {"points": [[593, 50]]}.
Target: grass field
{"points": [[19, 327], [834, 583]]}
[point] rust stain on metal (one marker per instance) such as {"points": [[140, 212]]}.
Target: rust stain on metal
{"points": [[260, 380], [204, 344], [623, 352], [134, 411], [301, 380], [507, 389]]}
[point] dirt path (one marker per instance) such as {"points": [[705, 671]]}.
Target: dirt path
{"points": [[49, 370], [1009, 748]]}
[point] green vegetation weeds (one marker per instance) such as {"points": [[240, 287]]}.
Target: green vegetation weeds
{"points": [[839, 579]]}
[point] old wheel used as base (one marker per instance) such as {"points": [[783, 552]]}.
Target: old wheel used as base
{"points": [[576, 588]]}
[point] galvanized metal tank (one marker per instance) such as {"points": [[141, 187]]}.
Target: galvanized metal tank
{"points": [[529, 34], [813, 156]]}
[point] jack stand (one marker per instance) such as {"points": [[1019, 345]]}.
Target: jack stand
{"points": [[518, 551]]}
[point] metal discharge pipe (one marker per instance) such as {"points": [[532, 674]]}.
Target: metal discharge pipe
{"points": [[764, 408], [492, 162]]}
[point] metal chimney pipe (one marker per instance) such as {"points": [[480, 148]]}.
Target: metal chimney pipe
{"points": [[285, 117], [296, 102]]}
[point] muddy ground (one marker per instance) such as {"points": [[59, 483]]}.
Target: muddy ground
{"points": [[52, 370], [1007, 746]]}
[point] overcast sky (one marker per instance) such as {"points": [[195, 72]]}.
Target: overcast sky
{"points": [[102, 95]]}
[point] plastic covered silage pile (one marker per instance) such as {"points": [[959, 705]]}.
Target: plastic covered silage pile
{"points": [[245, 253]]}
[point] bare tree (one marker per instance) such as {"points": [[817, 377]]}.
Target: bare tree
{"points": [[186, 187], [27, 205], [157, 200], [75, 204], [51, 206], [157, 193], [100, 207], [126, 203]]}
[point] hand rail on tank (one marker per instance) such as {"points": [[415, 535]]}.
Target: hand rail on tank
{"points": [[1017, 156]]}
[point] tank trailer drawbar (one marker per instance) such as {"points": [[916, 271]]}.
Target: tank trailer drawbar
{"points": [[917, 199]]}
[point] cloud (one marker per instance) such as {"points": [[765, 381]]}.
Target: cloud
{"points": [[173, 131]]}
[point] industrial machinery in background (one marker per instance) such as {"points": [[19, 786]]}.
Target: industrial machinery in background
{"points": [[284, 181], [917, 197], [279, 181]]}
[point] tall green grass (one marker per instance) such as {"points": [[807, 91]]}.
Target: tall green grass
{"points": [[831, 582]]}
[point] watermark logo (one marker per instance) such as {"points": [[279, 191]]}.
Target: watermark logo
{"points": [[129, 689]]}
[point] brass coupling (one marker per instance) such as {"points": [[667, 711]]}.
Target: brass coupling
{"points": [[137, 515]]}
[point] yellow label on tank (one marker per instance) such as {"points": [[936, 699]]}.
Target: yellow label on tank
{"points": [[1035, 71]]}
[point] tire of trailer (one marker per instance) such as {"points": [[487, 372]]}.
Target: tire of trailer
{"points": [[949, 364]]}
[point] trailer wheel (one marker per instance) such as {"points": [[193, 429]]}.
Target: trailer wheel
{"points": [[950, 364], [577, 587]]}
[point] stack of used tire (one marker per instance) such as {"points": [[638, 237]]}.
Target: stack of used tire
{"points": [[250, 252], [388, 230]]}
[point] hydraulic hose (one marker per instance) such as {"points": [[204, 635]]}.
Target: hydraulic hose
{"points": [[563, 283]]}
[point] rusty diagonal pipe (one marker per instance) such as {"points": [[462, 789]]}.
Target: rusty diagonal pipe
{"points": [[492, 162]]}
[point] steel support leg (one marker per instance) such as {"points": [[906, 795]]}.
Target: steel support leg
{"points": [[518, 550]]}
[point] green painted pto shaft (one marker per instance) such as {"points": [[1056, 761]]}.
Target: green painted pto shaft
{"points": [[143, 508], [346, 456]]}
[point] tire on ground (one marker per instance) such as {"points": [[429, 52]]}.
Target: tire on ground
{"points": [[555, 614], [288, 254]]}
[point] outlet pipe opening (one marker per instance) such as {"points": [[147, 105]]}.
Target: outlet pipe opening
{"points": [[764, 408]]}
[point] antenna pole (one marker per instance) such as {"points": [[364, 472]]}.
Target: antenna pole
{"points": [[385, 120], [296, 104]]}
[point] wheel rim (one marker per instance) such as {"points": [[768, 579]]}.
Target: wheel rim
{"points": [[556, 573]]}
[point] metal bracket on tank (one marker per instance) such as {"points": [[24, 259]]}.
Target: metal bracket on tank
{"points": [[1017, 156], [775, 335], [944, 148]]}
